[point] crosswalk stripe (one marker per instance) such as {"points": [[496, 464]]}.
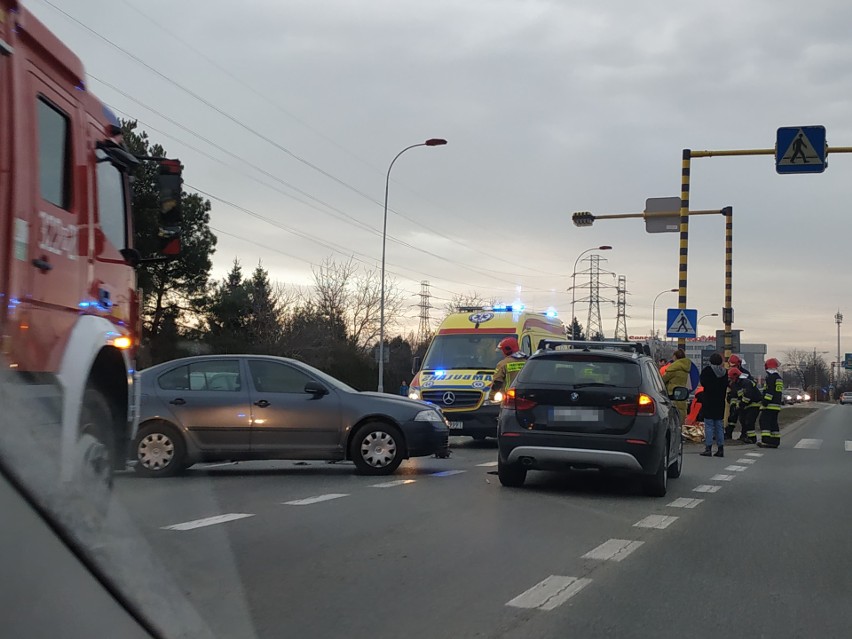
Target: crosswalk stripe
{"points": [[391, 484], [754, 454], [848, 445], [685, 502], [812, 444], [314, 500], [655, 521], [706, 488], [207, 521], [549, 593], [736, 469], [491, 463], [722, 477], [614, 549], [746, 460]]}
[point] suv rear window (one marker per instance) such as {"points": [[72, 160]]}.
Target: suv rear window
{"points": [[587, 369]]}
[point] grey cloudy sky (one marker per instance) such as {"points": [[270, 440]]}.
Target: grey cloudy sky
{"points": [[549, 108]]}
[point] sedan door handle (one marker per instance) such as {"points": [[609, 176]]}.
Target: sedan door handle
{"points": [[262, 403], [178, 401]]}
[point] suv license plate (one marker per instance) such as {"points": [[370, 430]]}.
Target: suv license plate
{"points": [[456, 425], [576, 415]]}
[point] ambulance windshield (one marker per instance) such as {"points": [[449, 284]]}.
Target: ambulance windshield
{"points": [[464, 351]]}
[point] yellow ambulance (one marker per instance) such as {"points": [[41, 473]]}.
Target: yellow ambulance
{"points": [[456, 372]]}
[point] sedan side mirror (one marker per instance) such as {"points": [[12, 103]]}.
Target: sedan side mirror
{"points": [[316, 389], [680, 393]]}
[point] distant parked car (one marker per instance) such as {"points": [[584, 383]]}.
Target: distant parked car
{"points": [[241, 407], [793, 396], [845, 398]]}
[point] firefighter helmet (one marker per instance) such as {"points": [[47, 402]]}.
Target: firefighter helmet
{"points": [[735, 360], [734, 373], [508, 345], [772, 363]]}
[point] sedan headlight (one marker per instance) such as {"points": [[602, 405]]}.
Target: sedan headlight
{"points": [[807, 397], [414, 393], [429, 416]]}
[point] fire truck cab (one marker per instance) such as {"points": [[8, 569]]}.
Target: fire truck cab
{"points": [[69, 308]]}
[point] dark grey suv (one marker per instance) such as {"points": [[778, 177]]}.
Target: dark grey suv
{"points": [[241, 407], [591, 405]]}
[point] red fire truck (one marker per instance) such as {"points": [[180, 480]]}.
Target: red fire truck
{"points": [[69, 306]]}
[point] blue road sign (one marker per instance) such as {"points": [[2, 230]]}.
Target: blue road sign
{"points": [[800, 149], [681, 322], [847, 361]]}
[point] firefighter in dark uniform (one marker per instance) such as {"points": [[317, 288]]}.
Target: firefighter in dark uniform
{"points": [[508, 367], [770, 435], [749, 399], [735, 361]]}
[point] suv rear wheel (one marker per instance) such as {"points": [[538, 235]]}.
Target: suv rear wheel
{"points": [[511, 475], [677, 466], [656, 485]]}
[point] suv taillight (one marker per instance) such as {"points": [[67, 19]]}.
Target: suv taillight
{"points": [[644, 405], [510, 400]]}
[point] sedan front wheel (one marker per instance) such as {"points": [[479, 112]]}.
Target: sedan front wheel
{"points": [[377, 449]]}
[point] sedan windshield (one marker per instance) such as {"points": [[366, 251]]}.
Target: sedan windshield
{"points": [[465, 351]]}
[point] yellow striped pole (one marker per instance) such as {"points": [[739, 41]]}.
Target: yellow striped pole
{"points": [[684, 236], [728, 311]]}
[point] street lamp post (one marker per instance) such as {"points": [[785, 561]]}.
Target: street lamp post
{"points": [[574, 285], [654, 310], [702, 317], [429, 142], [838, 317]]}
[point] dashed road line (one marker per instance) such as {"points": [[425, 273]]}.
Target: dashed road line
{"points": [[447, 473], [685, 502], [812, 444], [722, 477], [613, 550], [550, 593], [656, 521], [491, 463], [746, 460], [754, 454], [207, 521], [391, 484], [706, 488], [736, 469], [314, 500], [848, 445]]}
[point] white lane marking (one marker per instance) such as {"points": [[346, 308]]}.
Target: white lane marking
{"points": [[706, 488], [812, 444], [391, 484], [494, 463], [655, 521], [737, 469], [754, 454], [447, 473], [207, 521], [685, 502], [722, 477], [746, 460], [314, 500], [848, 445], [614, 549], [550, 593], [205, 467]]}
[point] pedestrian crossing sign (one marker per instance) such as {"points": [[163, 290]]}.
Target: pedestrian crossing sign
{"points": [[681, 322], [800, 149]]}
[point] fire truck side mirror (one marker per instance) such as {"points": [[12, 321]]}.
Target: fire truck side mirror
{"points": [[170, 187]]}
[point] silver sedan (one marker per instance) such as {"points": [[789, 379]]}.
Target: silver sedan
{"points": [[244, 407]]}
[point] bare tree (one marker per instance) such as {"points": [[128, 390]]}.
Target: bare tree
{"points": [[471, 298], [343, 289]]}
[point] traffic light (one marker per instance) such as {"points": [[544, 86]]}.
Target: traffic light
{"points": [[583, 218], [170, 187]]}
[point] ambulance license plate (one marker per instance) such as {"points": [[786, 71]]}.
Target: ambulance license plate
{"points": [[456, 425]]}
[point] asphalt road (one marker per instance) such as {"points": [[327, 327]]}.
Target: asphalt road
{"points": [[440, 549]]}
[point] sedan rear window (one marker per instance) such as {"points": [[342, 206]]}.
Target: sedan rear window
{"points": [[578, 371]]}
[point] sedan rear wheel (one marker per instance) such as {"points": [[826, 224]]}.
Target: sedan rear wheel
{"points": [[377, 449]]}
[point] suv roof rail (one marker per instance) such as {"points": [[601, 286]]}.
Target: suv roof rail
{"points": [[587, 345]]}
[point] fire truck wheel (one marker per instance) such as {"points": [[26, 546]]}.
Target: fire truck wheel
{"points": [[159, 450], [93, 454]]}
